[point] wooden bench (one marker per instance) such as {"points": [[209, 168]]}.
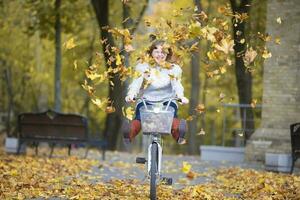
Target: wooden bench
{"points": [[56, 128], [295, 141]]}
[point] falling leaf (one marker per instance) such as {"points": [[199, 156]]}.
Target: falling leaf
{"points": [[91, 90], [200, 108], [253, 103], [266, 54], [194, 47], [222, 96], [75, 64], [189, 118], [226, 46], [98, 102], [129, 48], [118, 59], [278, 20], [211, 55], [92, 74], [110, 109], [277, 40], [222, 69], [241, 134], [129, 113], [249, 57], [69, 44], [229, 62], [202, 132], [238, 33], [186, 167], [242, 41]]}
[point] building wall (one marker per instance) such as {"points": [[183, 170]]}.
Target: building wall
{"points": [[281, 89]]}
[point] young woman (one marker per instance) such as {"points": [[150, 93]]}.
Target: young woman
{"points": [[157, 83]]}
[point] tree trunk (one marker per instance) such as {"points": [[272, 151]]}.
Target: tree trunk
{"points": [[113, 120], [10, 93], [57, 78], [116, 92], [195, 91], [243, 77]]}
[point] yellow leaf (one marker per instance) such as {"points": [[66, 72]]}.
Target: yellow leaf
{"points": [[249, 57], [222, 70], [99, 103], [211, 55], [189, 118], [266, 54], [226, 45], [186, 167], [129, 48], [222, 96], [278, 20], [91, 74], [229, 62], [129, 113], [194, 47], [118, 59], [202, 132], [75, 64], [200, 108], [70, 44], [253, 103], [110, 109], [277, 40]]}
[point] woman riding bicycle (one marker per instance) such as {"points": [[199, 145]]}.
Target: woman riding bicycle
{"points": [[158, 82]]}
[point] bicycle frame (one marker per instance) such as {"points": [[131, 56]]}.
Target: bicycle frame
{"points": [[152, 119]]}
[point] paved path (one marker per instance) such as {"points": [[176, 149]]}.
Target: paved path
{"points": [[120, 165]]}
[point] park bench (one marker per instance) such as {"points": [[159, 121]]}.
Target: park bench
{"points": [[295, 141], [56, 128]]}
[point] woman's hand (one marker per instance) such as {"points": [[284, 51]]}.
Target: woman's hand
{"points": [[183, 100], [130, 98]]}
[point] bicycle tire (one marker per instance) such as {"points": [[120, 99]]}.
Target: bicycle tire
{"points": [[153, 171]]}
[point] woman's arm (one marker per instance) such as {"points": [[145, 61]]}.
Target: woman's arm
{"points": [[175, 75], [135, 86]]}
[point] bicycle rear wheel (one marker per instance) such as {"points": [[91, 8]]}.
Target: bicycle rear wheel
{"points": [[153, 171]]}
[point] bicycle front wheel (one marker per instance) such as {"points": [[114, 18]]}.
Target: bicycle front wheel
{"points": [[153, 171]]}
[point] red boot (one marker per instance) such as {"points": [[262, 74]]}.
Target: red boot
{"points": [[178, 130], [130, 130]]}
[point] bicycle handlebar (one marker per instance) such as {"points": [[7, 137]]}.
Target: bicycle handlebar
{"points": [[169, 101]]}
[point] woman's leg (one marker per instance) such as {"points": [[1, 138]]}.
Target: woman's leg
{"points": [[135, 125], [178, 125]]}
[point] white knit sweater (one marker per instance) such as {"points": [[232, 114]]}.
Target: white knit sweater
{"points": [[161, 84]]}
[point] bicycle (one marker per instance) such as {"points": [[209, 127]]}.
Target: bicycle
{"points": [[156, 120]]}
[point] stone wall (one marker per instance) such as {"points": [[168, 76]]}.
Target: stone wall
{"points": [[281, 89]]}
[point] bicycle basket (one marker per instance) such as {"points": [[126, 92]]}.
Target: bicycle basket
{"points": [[154, 121]]}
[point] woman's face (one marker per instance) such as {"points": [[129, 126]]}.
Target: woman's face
{"points": [[158, 54]]}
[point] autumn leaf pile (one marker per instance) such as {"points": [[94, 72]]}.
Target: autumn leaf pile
{"points": [[25, 177]]}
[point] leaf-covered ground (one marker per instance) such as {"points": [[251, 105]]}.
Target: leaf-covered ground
{"points": [[63, 177]]}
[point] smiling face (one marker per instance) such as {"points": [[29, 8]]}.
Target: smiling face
{"points": [[159, 54]]}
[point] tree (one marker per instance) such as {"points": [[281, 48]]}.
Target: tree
{"points": [[243, 77], [195, 88], [116, 87]]}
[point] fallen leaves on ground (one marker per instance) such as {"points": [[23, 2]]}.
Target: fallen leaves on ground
{"points": [[26, 177]]}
